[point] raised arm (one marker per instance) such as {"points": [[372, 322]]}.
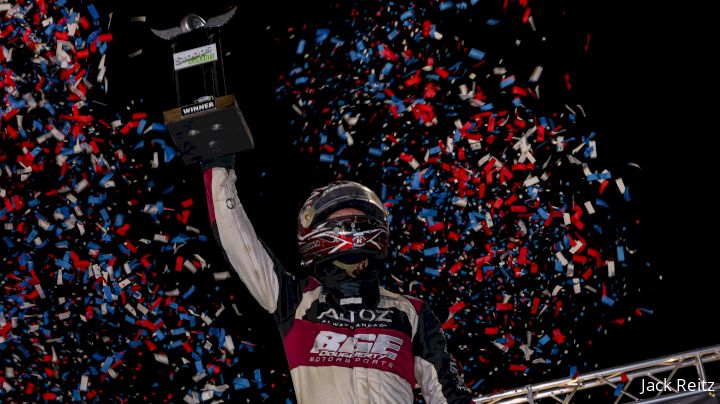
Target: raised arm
{"points": [[274, 289], [440, 378]]}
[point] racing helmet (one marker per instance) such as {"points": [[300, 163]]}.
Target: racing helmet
{"points": [[321, 239]]}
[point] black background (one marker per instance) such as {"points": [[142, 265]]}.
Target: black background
{"points": [[647, 84]]}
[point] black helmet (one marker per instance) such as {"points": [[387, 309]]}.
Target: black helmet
{"points": [[320, 238]]}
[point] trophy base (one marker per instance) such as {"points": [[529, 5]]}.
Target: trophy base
{"points": [[208, 129]]}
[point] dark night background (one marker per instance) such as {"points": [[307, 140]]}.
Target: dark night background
{"points": [[645, 84]]}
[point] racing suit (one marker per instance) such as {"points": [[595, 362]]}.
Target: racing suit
{"points": [[339, 350]]}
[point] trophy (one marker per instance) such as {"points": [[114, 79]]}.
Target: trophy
{"points": [[207, 121]]}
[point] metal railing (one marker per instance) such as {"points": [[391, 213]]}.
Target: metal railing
{"points": [[620, 379]]}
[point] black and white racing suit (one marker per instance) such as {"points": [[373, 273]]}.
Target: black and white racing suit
{"points": [[367, 353]]}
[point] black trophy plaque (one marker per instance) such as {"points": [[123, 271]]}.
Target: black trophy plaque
{"points": [[207, 121]]}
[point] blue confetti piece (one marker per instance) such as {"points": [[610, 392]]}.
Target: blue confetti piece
{"points": [[108, 293], [621, 253], [177, 331], [241, 383], [141, 126], [106, 364], [48, 106], [158, 127], [446, 5], [300, 47], [429, 252], [432, 271], [93, 12], [416, 181], [428, 213], [543, 213], [605, 175], [106, 178], [619, 389], [189, 292], [387, 68], [476, 54], [321, 35], [507, 82]]}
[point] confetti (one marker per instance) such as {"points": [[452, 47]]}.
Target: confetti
{"points": [[104, 271], [497, 197]]}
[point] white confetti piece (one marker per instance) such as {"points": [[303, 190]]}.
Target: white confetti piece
{"points": [[621, 185], [189, 266], [589, 207], [130, 309], [162, 358], [535, 76], [593, 146], [229, 345], [576, 285], [563, 261], [578, 245], [84, 382], [531, 181], [80, 186]]}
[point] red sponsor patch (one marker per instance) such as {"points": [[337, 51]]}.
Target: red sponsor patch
{"points": [[315, 344]]}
